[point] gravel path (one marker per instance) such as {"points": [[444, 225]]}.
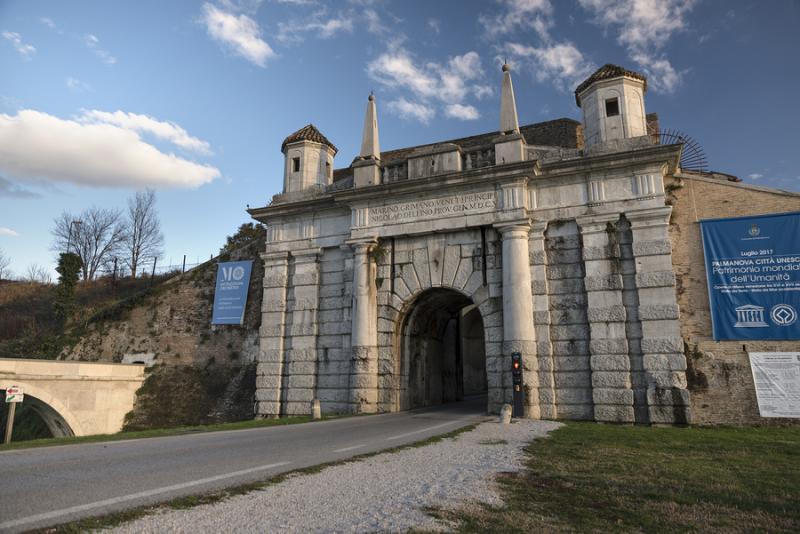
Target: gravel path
{"points": [[383, 493]]}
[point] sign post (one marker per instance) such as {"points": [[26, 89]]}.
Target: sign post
{"points": [[14, 395], [516, 375]]}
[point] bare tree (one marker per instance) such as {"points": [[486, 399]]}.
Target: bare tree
{"points": [[5, 261], [95, 236], [143, 237], [35, 273]]}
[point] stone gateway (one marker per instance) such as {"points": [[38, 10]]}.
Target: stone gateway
{"points": [[410, 277]]}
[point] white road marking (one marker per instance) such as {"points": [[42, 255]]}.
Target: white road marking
{"points": [[133, 496], [428, 429], [345, 449]]}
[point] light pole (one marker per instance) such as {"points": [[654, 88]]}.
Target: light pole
{"points": [[69, 238]]}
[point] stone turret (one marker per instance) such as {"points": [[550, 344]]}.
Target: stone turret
{"points": [[509, 146], [612, 100], [308, 160], [367, 169]]}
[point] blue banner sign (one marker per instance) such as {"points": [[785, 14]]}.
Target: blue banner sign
{"points": [[230, 297], [753, 270]]}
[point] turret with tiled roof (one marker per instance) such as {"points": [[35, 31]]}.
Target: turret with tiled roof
{"points": [[309, 132], [612, 99]]}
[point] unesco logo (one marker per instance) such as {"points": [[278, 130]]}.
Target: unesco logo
{"points": [[232, 273], [754, 231], [783, 315]]}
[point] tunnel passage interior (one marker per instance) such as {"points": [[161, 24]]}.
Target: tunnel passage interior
{"points": [[442, 350]]}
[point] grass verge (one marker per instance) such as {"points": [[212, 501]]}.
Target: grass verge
{"points": [[190, 501], [161, 432], [588, 477]]}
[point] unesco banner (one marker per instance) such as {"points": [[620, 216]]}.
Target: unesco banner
{"points": [[753, 269], [230, 297]]}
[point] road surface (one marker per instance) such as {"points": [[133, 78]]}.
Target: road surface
{"points": [[52, 485]]}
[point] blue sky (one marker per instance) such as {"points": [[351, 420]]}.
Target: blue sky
{"points": [[100, 99]]}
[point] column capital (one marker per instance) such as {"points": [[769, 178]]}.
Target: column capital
{"points": [[538, 229], [274, 257], [649, 217], [360, 246], [306, 255], [518, 229], [596, 222]]}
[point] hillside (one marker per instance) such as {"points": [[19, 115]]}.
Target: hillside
{"points": [[198, 372]]}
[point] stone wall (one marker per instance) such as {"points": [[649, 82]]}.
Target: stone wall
{"points": [[719, 376]]}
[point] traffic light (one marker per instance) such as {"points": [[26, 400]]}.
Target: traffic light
{"points": [[516, 381]]}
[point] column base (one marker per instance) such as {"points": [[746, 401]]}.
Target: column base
{"points": [[364, 380]]}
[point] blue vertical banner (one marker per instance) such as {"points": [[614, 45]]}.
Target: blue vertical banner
{"points": [[230, 296], [753, 270]]}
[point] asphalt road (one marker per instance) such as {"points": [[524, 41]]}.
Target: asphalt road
{"points": [[52, 485]]}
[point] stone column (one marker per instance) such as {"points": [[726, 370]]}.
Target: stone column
{"points": [[608, 346], [541, 320], [269, 370], [301, 338], [663, 360], [518, 332], [364, 341]]}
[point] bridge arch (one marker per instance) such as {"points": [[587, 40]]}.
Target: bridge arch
{"points": [[75, 397], [54, 414]]}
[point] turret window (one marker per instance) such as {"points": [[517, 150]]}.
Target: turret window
{"points": [[295, 164], [612, 107]]}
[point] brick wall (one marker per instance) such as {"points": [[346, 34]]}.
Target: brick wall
{"points": [[718, 374]]}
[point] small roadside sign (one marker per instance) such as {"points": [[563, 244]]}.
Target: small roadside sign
{"points": [[14, 394]]}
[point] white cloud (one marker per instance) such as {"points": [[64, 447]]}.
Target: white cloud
{"points": [[643, 28], [48, 22], [94, 43], [8, 232], [755, 176], [74, 84], [661, 75], [168, 131], [397, 69], [517, 15], [449, 84], [240, 33], [411, 110], [462, 112], [36, 146], [24, 49], [292, 31], [435, 25], [561, 63]]}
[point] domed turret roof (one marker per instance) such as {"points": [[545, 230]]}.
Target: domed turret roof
{"points": [[308, 132], [607, 72]]}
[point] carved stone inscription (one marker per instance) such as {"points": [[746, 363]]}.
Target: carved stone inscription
{"points": [[438, 207]]}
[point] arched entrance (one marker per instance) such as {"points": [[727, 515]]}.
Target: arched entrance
{"points": [[442, 350]]}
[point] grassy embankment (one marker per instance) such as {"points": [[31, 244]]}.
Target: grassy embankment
{"points": [[596, 478]]}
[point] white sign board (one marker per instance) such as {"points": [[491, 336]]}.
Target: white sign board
{"points": [[14, 394], [777, 379]]}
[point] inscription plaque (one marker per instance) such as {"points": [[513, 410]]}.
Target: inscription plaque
{"points": [[437, 207]]}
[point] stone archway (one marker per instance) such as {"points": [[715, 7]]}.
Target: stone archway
{"points": [[55, 415], [441, 345]]}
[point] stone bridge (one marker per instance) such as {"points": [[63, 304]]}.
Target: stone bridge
{"points": [[75, 398]]}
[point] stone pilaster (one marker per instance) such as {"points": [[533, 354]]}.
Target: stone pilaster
{"points": [[301, 350], [518, 332], [364, 340], [541, 320], [269, 370], [608, 346], [663, 361]]}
